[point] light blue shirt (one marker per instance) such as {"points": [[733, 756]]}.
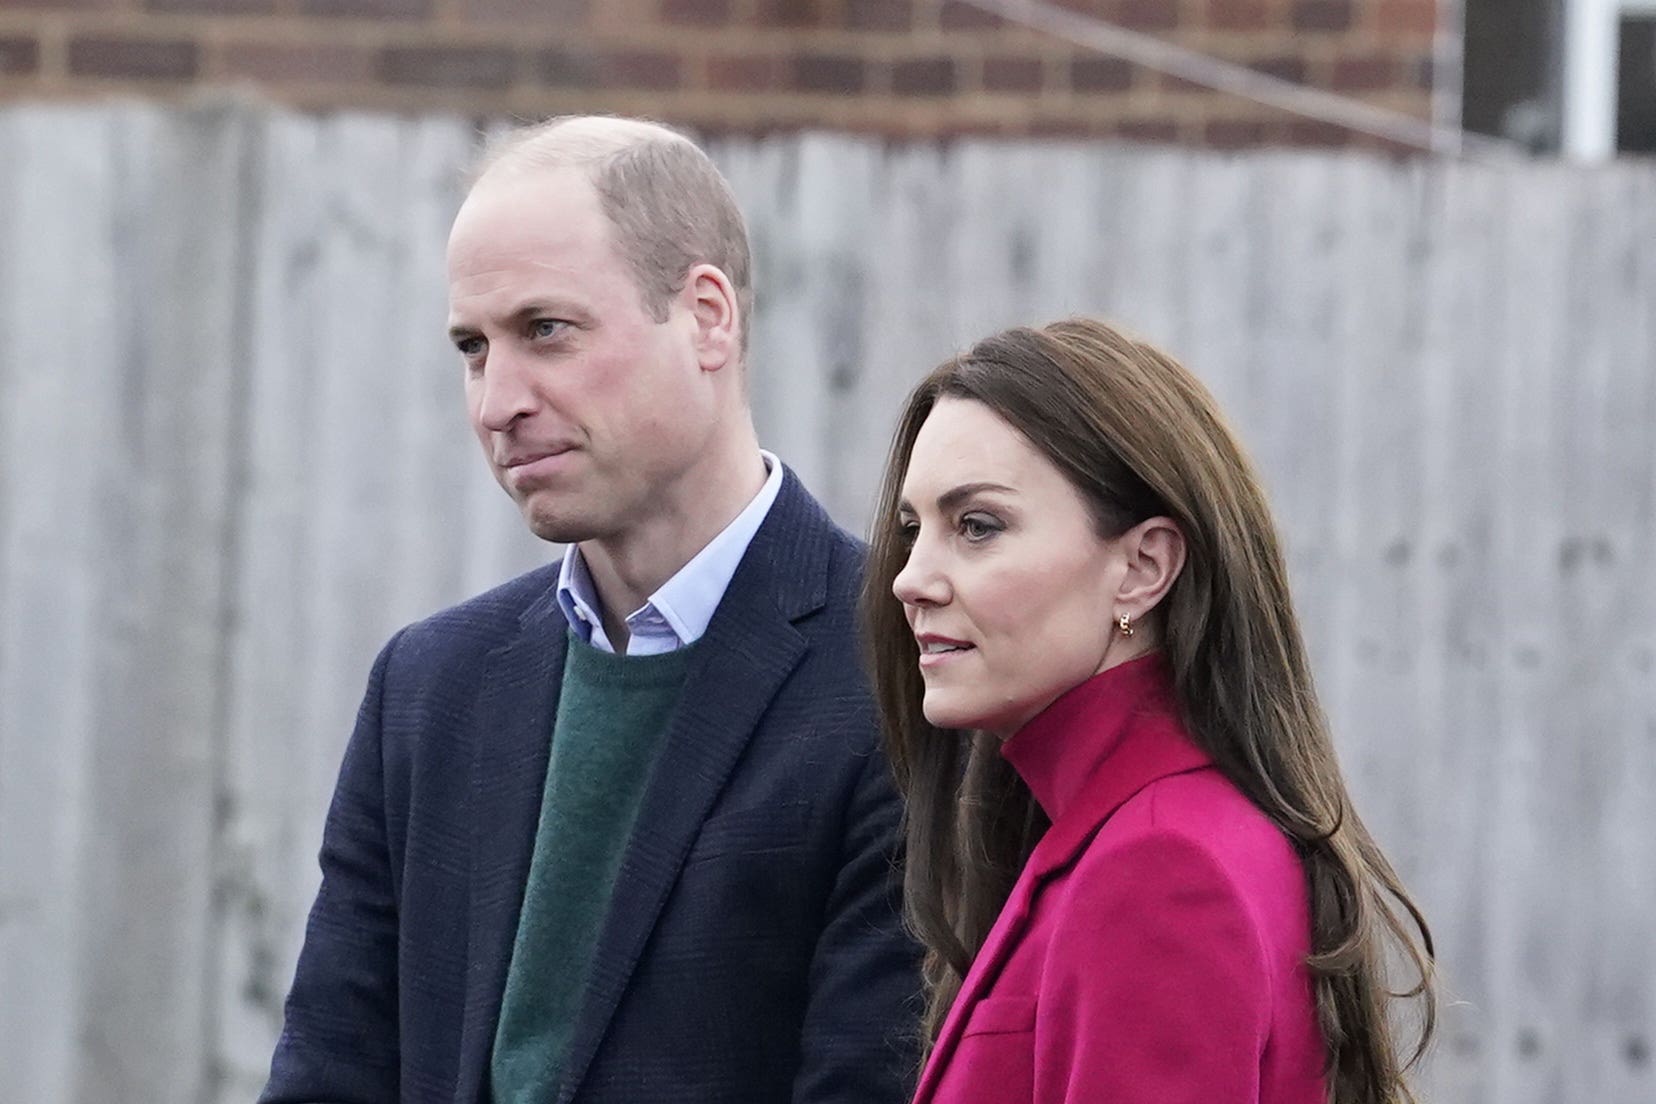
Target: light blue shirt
{"points": [[678, 613]]}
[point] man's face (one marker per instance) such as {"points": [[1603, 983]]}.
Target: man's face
{"points": [[590, 412]]}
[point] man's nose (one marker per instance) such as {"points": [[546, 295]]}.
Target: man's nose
{"points": [[508, 390]]}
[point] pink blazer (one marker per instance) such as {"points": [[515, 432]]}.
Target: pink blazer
{"points": [[1152, 950]]}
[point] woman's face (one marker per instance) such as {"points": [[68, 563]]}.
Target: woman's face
{"points": [[1008, 587]]}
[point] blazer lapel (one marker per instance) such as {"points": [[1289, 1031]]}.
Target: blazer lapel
{"points": [[513, 733], [986, 966], [747, 653]]}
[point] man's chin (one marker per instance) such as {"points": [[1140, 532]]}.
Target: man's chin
{"points": [[554, 525]]}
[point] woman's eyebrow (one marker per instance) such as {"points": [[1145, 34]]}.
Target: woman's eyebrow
{"points": [[953, 497]]}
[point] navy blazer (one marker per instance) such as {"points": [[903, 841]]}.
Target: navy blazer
{"points": [[753, 949]]}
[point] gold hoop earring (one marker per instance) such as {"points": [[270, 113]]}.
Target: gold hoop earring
{"points": [[1125, 624]]}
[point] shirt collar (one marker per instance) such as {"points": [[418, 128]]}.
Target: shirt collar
{"points": [[679, 612]]}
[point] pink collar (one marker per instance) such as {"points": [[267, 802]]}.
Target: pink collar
{"points": [[1097, 745]]}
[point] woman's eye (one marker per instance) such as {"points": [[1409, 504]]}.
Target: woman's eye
{"points": [[977, 528], [907, 532]]}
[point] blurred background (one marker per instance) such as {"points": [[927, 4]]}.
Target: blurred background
{"points": [[1411, 245]]}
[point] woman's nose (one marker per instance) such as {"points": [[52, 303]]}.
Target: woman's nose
{"points": [[920, 583]]}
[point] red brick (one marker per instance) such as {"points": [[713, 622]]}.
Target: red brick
{"points": [[284, 62], [18, 56], [1149, 130], [648, 69], [1100, 74], [960, 16], [1234, 133], [1168, 82], [1003, 73], [369, 9], [213, 7], [446, 66], [133, 58], [829, 73], [953, 127], [699, 13], [1315, 132], [561, 14], [879, 15], [932, 76], [567, 68], [1322, 15], [1406, 17], [1138, 15], [791, 13], [1288, 68], [57, 5], [1364, 72], [1238, 15], [1146, 15], [1062, 128], [744, 73]]}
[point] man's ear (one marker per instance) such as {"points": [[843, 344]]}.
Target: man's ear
{"points": [[1155, 554], [718, 315]]}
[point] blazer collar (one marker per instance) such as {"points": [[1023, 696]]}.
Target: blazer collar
{"points": [[1097, 745], [1083, 757], [750, 647]]}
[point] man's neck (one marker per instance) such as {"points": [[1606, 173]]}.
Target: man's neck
{"points": [[628, 568]]}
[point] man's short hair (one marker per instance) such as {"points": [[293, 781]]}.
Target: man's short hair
{"points": [[667, 203]]}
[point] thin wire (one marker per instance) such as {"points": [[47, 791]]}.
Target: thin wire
{"points": [[1238, 80]]}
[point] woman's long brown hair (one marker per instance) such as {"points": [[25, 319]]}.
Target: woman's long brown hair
{"points": [[1140, 437]]}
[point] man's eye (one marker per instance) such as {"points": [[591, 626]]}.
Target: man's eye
{"points": [[470, 346], [542, 328]]}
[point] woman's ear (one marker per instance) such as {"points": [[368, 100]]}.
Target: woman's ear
{"points": [[713, 303], [1154, 550]]}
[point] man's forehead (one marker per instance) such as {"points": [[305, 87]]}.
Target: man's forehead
{"points": [[526, 215], [524, 178]]}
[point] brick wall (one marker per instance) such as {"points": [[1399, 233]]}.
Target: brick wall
{"points": [[902, 68]]}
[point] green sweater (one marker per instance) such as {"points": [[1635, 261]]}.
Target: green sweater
{"points": [[612, 716]]}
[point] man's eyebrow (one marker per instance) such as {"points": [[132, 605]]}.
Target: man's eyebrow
{"points": [[534, 308]]}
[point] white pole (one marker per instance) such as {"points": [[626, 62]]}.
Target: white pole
{"points": [[1590, 43]]}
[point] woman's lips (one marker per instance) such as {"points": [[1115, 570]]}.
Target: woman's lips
{"points": [[938, 651]]}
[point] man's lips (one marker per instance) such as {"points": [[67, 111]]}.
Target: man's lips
{"points": [[529, 456], [520, 467]]}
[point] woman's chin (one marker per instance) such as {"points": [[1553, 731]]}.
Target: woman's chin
{"points": [[943, 713]]}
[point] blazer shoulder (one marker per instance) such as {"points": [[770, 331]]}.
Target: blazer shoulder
{"points": [[1199, 824], [1205, 810], [473, 628], [847, 560]]}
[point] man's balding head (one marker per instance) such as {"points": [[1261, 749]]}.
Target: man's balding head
{"points": [[667, 203]]}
